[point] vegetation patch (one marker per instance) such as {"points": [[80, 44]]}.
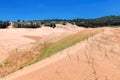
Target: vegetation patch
{"points": [[64, 43], [105, 21]]}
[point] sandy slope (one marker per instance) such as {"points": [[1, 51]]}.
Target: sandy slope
{"points": [[95, 59], [11, 39]]}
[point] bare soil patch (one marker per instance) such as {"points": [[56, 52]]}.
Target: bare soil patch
{"points": [[36, 38]]}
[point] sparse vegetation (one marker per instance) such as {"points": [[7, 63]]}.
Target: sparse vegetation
{"points": [[64, 43]]}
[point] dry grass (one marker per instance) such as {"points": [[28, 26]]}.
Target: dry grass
{"points": [[16, 61]]}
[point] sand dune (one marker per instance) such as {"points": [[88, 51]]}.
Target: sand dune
{"points": [[94, 59], [14, 38]]}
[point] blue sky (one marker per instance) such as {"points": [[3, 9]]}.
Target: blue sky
{"points": [[63, 9]]}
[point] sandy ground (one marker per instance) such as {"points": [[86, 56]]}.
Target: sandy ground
{"points": [[94, 59], [11, 39]]}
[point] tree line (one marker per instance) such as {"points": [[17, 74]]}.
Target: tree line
{"points": [[4, 24], [99, 22], [93, 23]]}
